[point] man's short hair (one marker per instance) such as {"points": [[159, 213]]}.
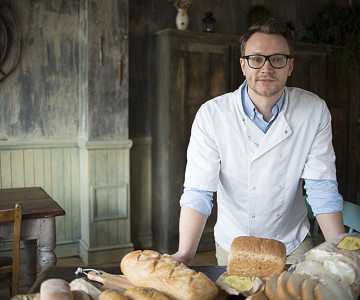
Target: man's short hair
{"points": [[270, 26]]}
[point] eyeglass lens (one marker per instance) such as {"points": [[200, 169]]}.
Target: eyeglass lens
{"points": [[277, 61]]}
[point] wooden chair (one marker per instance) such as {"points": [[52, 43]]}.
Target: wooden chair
{"points": [[10, 266]]}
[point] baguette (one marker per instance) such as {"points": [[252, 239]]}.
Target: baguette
{"points": [[251, 256], [162, 272]]}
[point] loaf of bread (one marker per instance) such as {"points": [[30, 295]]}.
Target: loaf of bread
{"points": [[162, 272], [251, 256], [55, 289], [335, 262], [144, 293]]}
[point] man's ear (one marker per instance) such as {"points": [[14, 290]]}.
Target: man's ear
{"points": [[242, 64], [291, 62]]}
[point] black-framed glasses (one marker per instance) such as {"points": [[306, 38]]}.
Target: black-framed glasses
{"points": [[277, 61]]}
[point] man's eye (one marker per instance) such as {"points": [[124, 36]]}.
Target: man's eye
{"points": [[256, 59], [277, 59]]}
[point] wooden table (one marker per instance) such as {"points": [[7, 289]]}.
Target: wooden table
{"points": [[38, 230], [68, 273]]}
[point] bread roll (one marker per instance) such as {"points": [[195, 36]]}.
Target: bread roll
{"points": [[142, 293], [250, 256], [162, 272], [112, 294], [55, 289]]}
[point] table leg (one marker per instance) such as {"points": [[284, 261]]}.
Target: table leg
{"points": [[46, 243], [30, 261]]}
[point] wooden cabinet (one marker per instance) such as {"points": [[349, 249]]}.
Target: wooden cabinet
{"points": [[189, 69]]}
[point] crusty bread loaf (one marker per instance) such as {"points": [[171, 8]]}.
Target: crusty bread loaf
{"points": [[251, 256], [145, 293], [162, 272], [112, 294], [55, 289]]}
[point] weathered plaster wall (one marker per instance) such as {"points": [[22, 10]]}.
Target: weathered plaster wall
{"points": [[39, 99], [59, 84]]}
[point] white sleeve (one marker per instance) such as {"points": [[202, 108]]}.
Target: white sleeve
{"points": [[203, 160], [320, 162]]}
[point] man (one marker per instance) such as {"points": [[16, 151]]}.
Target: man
{"points": [[255, 147]]}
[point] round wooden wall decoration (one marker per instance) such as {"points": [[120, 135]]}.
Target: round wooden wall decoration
{"points": [[9, 41]]}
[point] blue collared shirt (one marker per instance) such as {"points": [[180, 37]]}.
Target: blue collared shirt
{"points": [[322, 195]]}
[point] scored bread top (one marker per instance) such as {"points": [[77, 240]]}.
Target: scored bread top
{"points": [[149, 268], [252, 256]]}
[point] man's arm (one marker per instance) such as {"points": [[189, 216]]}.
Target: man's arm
{"points": [[326, 203], [331, 224], [191, 227]]}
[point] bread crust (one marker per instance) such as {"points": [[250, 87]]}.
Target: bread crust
{"points": [[162, 272], [251, 256]]}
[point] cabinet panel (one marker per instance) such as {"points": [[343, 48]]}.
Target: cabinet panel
{"points": [[191, 68]]}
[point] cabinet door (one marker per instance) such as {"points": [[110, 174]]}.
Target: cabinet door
{"points": [[206, 73]]}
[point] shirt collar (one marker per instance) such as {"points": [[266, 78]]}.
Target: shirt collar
{"points": [[249, 107]]}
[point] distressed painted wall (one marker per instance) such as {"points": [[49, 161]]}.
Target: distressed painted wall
{"points": [[39, 99], [64, 95], [60, 83]]}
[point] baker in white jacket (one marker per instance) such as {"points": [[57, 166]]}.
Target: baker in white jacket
{"points": [[255, 147]]}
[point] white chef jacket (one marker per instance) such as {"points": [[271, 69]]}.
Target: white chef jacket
{"points": [[258, 176]]}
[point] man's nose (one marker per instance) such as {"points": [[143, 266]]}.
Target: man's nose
{"points": [[267, 65]]}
